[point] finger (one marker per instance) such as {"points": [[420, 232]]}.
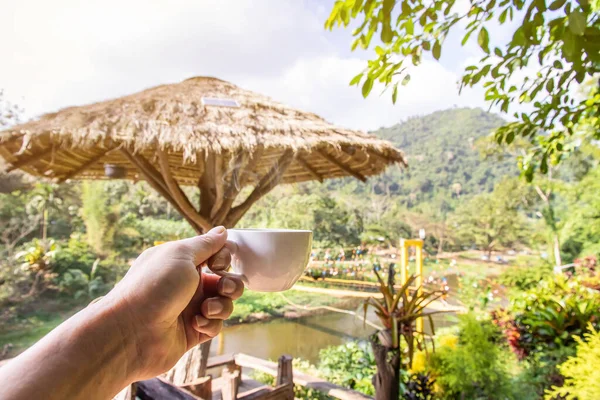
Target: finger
{"points": [[210, 285], [204, 246], [220, 261], [230, 287], [216, 308], [208, 327]]}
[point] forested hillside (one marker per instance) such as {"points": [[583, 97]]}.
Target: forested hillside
{"points": [[444, 162]]}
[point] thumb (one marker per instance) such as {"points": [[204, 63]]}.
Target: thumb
{"points": [[204, 246]]}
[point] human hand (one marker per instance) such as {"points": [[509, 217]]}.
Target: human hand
{"points": [[167, 305]]}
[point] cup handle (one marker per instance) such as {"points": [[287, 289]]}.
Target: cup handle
{"points": [[233, 247]]}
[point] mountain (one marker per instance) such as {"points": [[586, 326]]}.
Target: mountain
{"points": [[444, 162]]}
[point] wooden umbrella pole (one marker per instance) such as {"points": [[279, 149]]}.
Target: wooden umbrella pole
{"points": [[266, 184], [206, 186], [219, 184], [234, 188], [160, 188], [178, 194]]}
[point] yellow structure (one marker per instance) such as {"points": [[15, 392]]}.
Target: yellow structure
{"points": [[405, 244]]}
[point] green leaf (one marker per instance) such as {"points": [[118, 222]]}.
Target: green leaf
{"points": [[410, 27], [557, 64], [510, 137], [484, 40], [466, 38], [502, 17], [568, 44], [550, 85], [395, 94], [405, 8], [367, 86], [437, 50], [386, 33], [498, 52], [555, 5], [356, 79], [577, 22], [406, 80]]}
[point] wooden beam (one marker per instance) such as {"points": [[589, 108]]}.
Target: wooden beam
{"points": [[387, 159], [309, 168], [341, 165], [285, 372], [83, 166], [178, 194], [26, 160], [219, 184], [231, 384], [157, 184], [10, 139], [234, 188], [264, 186], [207, 186], [302, 379]]}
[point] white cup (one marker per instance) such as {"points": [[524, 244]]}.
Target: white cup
{"points": [[268, 260]]}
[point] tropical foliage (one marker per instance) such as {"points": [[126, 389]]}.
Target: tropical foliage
{"points": [[558, 41]]}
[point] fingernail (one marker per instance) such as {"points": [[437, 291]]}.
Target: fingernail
{"points": [[201, 321], [214, 307], [217, 229], [229, 286]]}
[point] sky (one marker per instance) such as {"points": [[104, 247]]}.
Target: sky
{"points": [[64, 53]]}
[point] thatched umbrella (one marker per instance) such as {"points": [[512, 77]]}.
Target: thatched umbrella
{"points": [[203, 132]]}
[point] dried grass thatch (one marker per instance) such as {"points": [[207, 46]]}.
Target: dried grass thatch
{"points": [[170, 137], [76, 142]]}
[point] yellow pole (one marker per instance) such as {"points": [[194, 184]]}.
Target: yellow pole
{"points": [[419, 278], [403, 261], [221, 348]]}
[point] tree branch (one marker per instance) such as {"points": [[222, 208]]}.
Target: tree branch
{"points": [[178, 194], [265, 185]]}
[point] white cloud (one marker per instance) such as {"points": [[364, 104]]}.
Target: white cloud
{"points": [[58, 54], [321, 85]]}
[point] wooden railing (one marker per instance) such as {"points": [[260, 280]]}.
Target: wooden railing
{"points": [[234, 385]]}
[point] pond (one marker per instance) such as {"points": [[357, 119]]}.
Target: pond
{"points": [[301, 338]]}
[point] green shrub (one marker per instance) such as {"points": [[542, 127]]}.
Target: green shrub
{"points": [[351, 365], [525, 275], [152, 230], [477, 367], [76, 283], [75, 254], [582, 371], [549, 316]]}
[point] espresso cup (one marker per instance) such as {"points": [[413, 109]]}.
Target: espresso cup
{"points": [[268, 260]]}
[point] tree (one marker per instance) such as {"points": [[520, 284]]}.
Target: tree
{"points": [[17, 220], [9, 113], [491, 220], [100, 217], [581, 232], [44, 199], [560, 41]]}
